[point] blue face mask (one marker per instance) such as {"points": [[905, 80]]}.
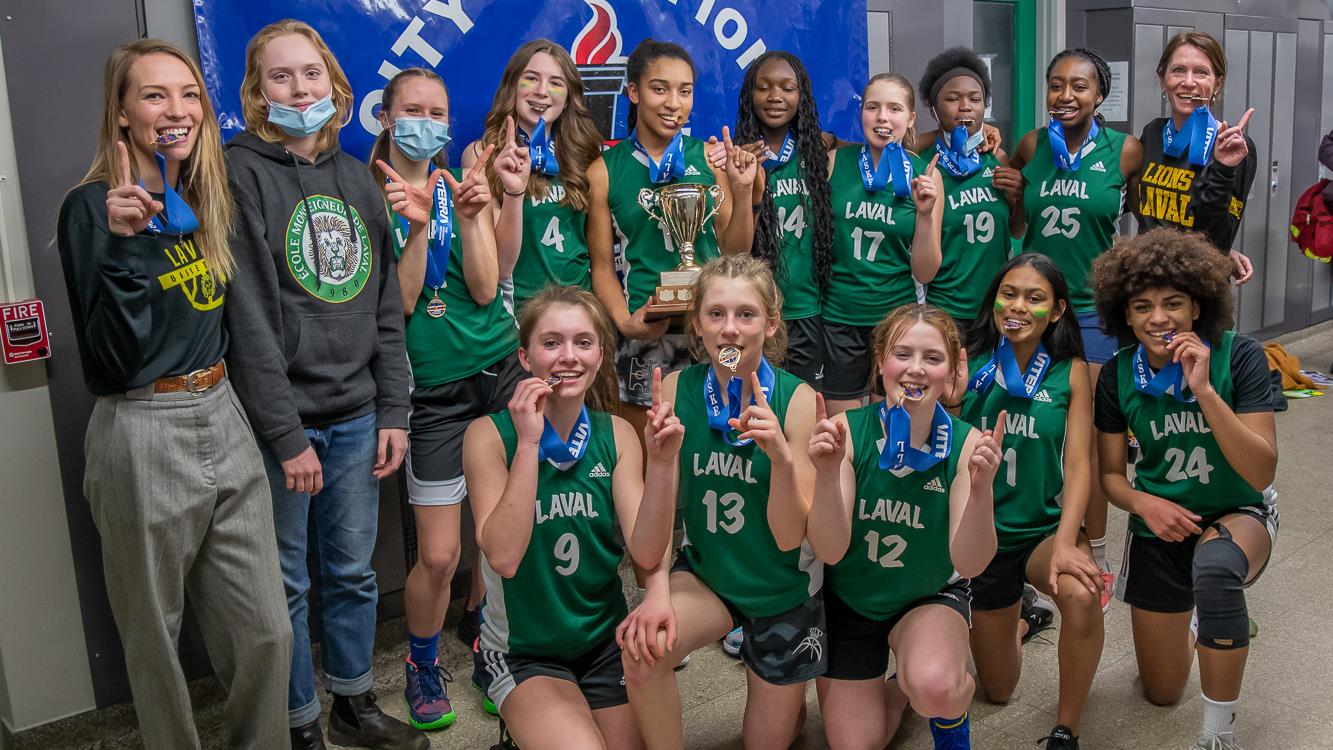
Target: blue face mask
{"points": [[420, 138], [299, 123]]}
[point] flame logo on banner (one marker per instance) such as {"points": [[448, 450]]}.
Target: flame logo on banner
{"points": [[599, 42]]}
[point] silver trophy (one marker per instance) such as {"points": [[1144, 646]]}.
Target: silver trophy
{"points": [[684, 212]]}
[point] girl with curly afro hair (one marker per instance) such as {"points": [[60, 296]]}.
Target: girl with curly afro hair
{"points": [[973, 241], [1203, 516]]}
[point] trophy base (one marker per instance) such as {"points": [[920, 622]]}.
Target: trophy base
{"points": [[671, 300]]}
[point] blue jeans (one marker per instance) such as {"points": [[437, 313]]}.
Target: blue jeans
{"points": [[336, 529]]}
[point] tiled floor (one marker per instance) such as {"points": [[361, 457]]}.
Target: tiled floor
{"points": [[1287, 702]]}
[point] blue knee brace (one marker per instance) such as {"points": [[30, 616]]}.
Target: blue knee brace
{"points": [[1220, 568]]}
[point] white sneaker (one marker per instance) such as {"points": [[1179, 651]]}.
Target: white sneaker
{"points": [[731, 642], [1223, 741]]}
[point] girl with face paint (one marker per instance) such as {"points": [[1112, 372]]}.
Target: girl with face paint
{"points": [[540, 115], [460, 343], [1026, 361], [316, 323], [1197, 171], [1066, 184], [974, 241], [1204, 517]]}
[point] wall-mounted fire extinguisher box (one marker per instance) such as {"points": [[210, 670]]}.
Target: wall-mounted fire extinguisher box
{"points": [[24, 336]]}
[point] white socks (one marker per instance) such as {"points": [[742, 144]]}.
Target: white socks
{"points": [[1219, 717], [1099, 551]]}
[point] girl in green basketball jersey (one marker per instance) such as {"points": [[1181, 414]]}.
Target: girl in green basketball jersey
{"points": [[460, 344], [550, 480], [743, 482], [794, 221], [901, 517], [886, 234], [1067, 184], [539, 224], [660, 86], [1027, 362], [974, 242], [1202, 527]]}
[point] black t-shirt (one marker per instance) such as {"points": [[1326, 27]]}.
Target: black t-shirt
{"points": [[1252, 391], [1174, 193], [145, 307]]}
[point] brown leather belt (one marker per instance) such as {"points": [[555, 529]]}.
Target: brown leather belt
{"points": [[195, 382]]}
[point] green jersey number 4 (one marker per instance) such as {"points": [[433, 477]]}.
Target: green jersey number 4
{"points": [[552, 236]]}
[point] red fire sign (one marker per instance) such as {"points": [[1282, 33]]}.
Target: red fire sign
{"points": [[24, 332]]}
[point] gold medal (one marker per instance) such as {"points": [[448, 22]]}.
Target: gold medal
{"points": [[435, 308], [553, 381], [729, 357]]}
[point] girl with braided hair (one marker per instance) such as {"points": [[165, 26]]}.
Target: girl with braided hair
{"points": [[777, 115], [1068, 181]]}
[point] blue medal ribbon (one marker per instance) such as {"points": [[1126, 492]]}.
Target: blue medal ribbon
{"points": [[541, 150], [564, 453], [894, 167], [898, 450], [177, 217], [672, 166], [1169, 379], [1064, 159], [959, 156], [1199, 134], [720, 414], [1024, 386], [777, 161], [440, 236]]}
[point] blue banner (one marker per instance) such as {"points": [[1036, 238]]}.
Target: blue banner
{"points": [[468, 43]]}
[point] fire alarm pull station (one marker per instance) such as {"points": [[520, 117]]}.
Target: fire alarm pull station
{"points": [[24, 336]]}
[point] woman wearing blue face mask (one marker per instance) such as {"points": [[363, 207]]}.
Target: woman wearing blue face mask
{"points": [[461, 343], [317, 358]]}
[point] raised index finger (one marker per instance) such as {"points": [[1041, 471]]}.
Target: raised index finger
{"points": [[657, 388], [821, 410], [726, 137], [760, 399], [1244, 119], [509, 132], [998, 432], [388, 171], [482, 160], [123, 165], [930, 170]]}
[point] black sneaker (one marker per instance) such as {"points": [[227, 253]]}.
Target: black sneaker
{"points": [[469, 626], [506, 742], [1038, 613], [1061, 738]]}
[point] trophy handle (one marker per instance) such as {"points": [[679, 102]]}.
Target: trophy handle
{"points": [[647, 198], [719, 197]]}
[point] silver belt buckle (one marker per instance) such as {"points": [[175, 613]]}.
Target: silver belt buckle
{"points": [[192, 381]]}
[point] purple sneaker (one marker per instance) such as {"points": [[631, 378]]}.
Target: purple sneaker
{"points": [[427, 697]]}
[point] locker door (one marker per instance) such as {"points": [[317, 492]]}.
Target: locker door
{"points": [[1321, 285], [1262, 75]]}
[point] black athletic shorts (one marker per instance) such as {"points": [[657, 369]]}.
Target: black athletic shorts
{"points": [[782, 649], [1001, 583], [1158, 576], [440, 415], [599, 674], [859, 646], [847, 361], [636, 359], [805, 350]]}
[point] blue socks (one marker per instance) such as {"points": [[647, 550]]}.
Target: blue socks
{"points": [[951, 734], [422, 651]]}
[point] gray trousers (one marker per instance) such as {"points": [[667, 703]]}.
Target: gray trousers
{"points": [[179, 496]]}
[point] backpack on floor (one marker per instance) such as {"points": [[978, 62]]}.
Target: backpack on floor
{"points": [[1312, 224]]}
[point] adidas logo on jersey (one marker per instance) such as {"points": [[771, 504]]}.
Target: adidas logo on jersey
{"points": [[1042, 396], [1098, 167], [599, 472], [988, 173], [690, 171], [935, 485]]}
